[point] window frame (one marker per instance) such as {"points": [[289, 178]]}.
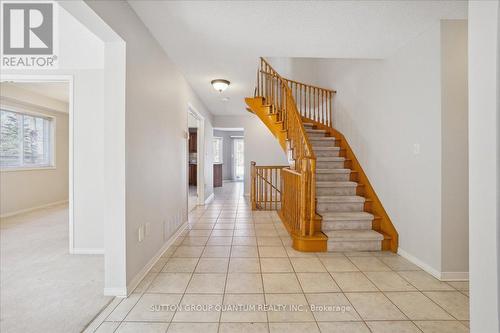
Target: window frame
{"points": [[34, 112], [221, 139]]}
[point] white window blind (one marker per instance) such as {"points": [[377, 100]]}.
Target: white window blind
{"points": [[217, 150], [25, 140]]}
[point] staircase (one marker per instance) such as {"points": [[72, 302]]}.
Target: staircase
{"points": [[327, 202]]}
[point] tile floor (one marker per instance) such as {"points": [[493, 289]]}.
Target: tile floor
{"points": [[232, 256]]}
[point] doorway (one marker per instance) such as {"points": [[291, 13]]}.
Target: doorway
{"points": [[238, 159], [195, 159]]}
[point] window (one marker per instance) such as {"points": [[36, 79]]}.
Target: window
{"points": [[25, 140], [217, 150]]}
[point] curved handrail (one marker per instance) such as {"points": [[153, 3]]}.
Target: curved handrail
{"points": [[277, 94]]}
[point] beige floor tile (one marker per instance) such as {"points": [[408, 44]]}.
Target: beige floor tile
{"points": [[216, 252], [392, 327], [442, 327], [222, 233], [424, 281], [244, 265], [227, 226], [466, 323], [242, 251], [281, 283], [132, 327], [180, 265], [193, 327], [292, 253], [144, 284], [245, 240], [459, 285], [244, 314], [206, 283], [188, 252], [159, 265], [199, 308], [332, 307], [221, 241], [107, 327], [454, 302], [307, 265], [317, 282], [293, 328], [374, 306], [212, 265], [358, 254], [417, 307], [272, 252], [244, 233], [353, 281], [243, 328], [276, 265], [338, 264], [369, 264], [343, 327], [269, 241], [200, 232], [194, 241], [120, 312], [170, 283], [389, 281], [163, 308], [244, 283], [292, 308], [398, 263]]}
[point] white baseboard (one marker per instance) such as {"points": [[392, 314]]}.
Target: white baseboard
{"points": [[27, 210], [86, 251], [442, 276], [138, 278], [209, 199], [419, 263], [117, 292], [454, 276]]}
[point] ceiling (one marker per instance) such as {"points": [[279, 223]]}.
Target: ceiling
{"points": [[55, 90], [223, 39]]}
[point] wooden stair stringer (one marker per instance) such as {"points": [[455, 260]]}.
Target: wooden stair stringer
{"points": [[256, 105], [381, 223]]}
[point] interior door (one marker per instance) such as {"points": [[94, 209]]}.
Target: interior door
{"points": [[238, 159]]}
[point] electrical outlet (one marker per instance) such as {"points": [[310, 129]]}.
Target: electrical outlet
{"points": [[416, 148], [140, 233]]}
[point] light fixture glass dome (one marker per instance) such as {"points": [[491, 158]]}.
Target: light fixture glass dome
{"points": [[220, 84]]}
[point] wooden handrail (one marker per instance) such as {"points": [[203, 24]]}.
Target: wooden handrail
{"points": [[276, 92]]}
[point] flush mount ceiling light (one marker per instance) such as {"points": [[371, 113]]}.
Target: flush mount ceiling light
{"points": [[220, 84]]}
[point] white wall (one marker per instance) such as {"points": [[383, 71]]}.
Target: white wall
{"points": [[157, 98], [260, 145], [27, 189], [385, 107], [454, 166], [484, 203]]}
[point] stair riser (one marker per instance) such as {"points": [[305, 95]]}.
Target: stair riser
{"points": [[335, 246], [330, 164], [316, 134], [342, 190], [323, 143], [346, 225], [327, 153], [339, 207], [333, 176]]}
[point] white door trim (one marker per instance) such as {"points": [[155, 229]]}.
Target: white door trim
{"points": [[200, 170]]}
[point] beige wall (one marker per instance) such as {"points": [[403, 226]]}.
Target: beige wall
{"points": [[454, 150], [27, 189]]}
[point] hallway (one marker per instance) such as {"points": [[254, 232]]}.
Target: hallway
{"points": [[233, 256]]}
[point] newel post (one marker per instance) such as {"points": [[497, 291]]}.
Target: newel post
{"points": [[252, 185]]}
